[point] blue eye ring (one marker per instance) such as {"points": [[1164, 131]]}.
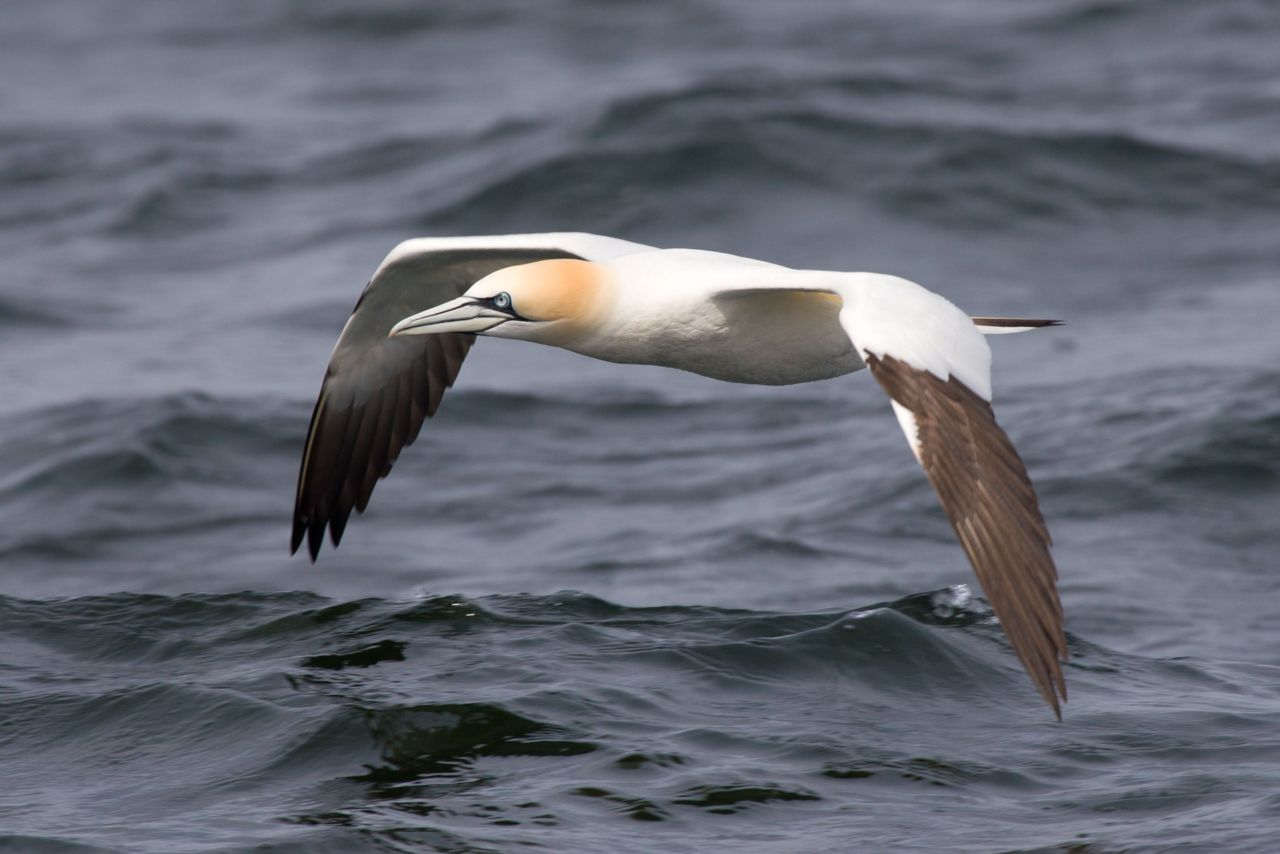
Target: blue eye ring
{"points": [[502, 301]]}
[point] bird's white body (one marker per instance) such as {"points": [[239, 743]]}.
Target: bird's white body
{"points": [[719, 315], [671, 308]]}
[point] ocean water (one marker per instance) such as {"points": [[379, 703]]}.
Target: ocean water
{"points": [[599, 608]]}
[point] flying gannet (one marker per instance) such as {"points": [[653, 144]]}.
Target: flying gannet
{"points": [[714, 314]]}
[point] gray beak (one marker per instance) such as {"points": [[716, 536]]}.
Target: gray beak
{"points": [[464, 314]]}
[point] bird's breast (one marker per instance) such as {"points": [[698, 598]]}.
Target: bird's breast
{"points": [[765, 338]]}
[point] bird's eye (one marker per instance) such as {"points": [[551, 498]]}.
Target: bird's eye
{"points": [[502, 300]]}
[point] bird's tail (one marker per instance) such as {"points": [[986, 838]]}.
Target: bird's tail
{"points": [[1005, 325]]}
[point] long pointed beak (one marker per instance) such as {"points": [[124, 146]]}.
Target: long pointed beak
{"points": [[464, 314]]}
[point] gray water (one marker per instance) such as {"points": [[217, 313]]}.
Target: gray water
{"points": [[599, 608]]}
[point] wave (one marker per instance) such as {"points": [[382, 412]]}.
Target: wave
{"points": [[28, 314], [1094, 17], [81, 478], [1162, 438], [624, 162], [1232, 442], [742, 139], [487, 719], [194, 435], [100, 474]]}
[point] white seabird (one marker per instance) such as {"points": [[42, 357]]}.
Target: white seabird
{"points": [[714, 314]]}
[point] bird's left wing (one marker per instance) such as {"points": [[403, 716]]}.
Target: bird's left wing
{"points": [[377, 391], [935, 365]]}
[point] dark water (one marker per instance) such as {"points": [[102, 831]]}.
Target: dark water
{"points": [[611, 609]]}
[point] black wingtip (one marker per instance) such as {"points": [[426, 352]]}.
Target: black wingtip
{"points": [[301, 532], [315, 537], [337, 525]]}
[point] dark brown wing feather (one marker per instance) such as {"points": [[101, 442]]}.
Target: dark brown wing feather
{"points": [[377, 390], [987, 495]]}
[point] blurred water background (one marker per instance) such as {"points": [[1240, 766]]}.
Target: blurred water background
{"points": [[618, 609]]}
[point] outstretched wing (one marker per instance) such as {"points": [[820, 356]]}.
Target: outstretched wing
{"points": [[934, 364], [985, 490], [378, 390]]}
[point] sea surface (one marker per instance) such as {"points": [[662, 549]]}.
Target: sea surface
{"points": [[615, 609]]}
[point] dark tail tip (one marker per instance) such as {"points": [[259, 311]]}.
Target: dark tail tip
{"points": [[1016, 322]]}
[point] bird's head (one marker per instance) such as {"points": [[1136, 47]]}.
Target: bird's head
{"points": [[541, 300]]}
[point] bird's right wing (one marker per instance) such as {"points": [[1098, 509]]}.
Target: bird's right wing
{"points": [[934, 363], [378, 390]]}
